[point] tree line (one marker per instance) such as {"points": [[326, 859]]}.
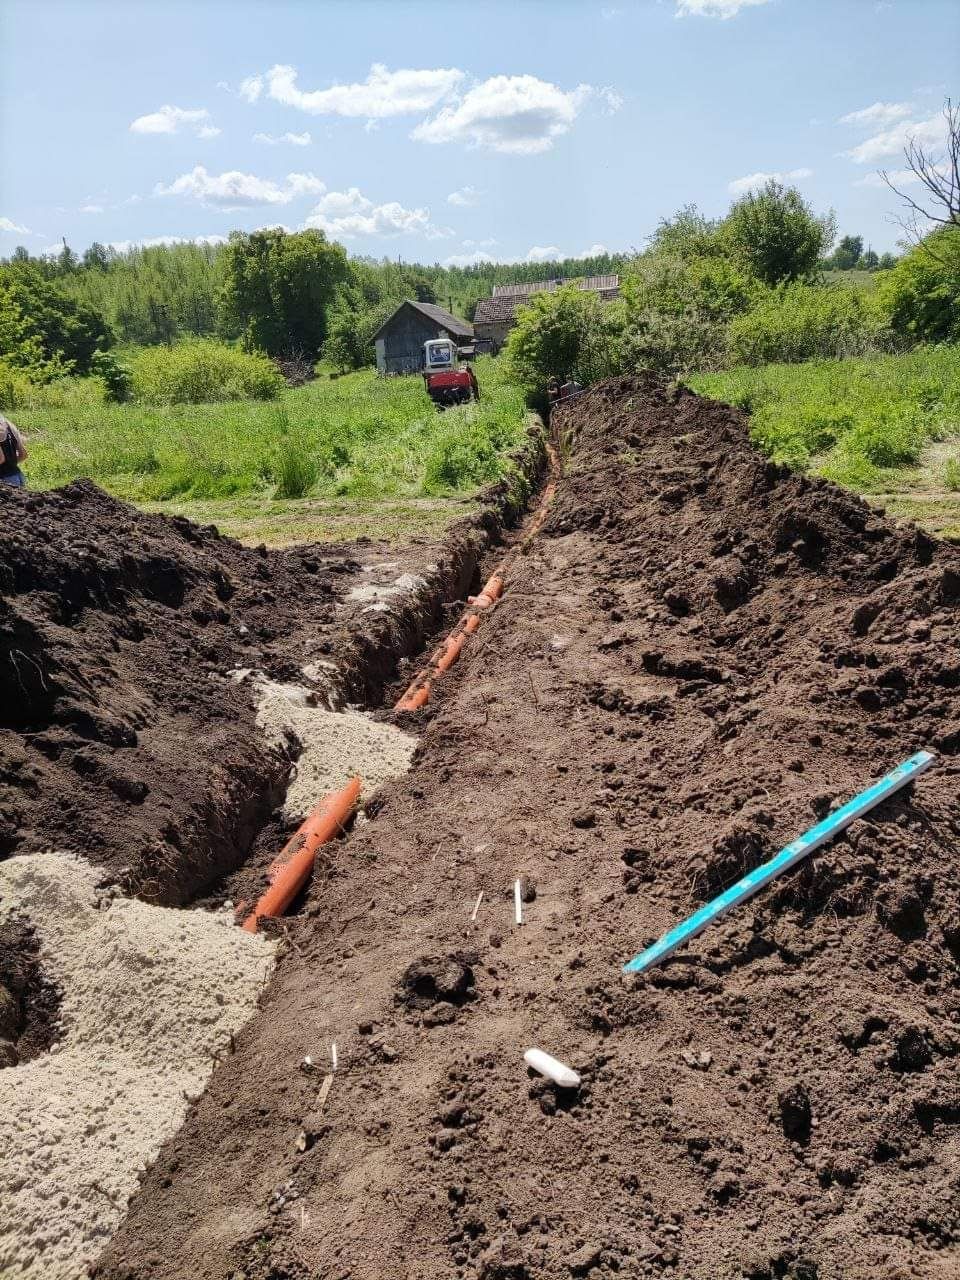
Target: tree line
{"points": [[282, 293], [696, 294]]}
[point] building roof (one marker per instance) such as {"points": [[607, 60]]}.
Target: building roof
{"points": [[490, 310], [507, 297], [459, 328], [597, 284]]}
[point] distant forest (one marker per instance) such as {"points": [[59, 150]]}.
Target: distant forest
{"points": [[158, 294]]}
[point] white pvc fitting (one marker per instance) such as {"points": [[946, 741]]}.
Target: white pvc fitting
{"points": [[552, 1068]]}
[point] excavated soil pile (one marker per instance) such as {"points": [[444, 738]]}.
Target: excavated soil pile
{"points": [[121, 736], [697, 658]]}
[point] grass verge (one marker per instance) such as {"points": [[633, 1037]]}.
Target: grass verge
{"points": [[887, 426]]}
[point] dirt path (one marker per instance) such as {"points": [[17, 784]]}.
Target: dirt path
{"points": [[698, 656]]}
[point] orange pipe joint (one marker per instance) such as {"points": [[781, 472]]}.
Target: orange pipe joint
{"points": [[290, 873], [452, 650], [492, 590], [414, 698]]}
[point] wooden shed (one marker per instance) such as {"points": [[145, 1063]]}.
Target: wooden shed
{"points": [[399, 340]]}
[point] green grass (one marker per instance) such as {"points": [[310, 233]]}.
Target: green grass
{"points": [[358, 437], [282, 522], [856, 421], [887, 426]]}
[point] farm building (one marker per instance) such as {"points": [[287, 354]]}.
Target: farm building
{"points": [[399, 340], [495, 315]]}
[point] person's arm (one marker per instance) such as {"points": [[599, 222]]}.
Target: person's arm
{"points": [[18, 441]]}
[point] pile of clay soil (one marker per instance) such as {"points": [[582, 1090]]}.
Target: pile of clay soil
{"points": [[123, 734], [697, 658]]}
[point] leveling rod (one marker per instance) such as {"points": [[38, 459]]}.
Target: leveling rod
{"points": [[755, 880]]}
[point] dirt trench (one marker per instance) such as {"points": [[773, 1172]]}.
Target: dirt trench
{"points": [[699, 655]]}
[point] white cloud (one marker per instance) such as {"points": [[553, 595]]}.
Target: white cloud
{"points": [[543, 253], [611, 100], [124, 246], [170, 120], [384, 93], [350, 213], [251, 88], [14, 228], [273, 140], [594, 251], [464, 198], [481, 244], [891, 142], [517, 115], [236, 190], [609, 14], [899, 177], [91, 208], [880, 113], [739, 186], [714, 8]]}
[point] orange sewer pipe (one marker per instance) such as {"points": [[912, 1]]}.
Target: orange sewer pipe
{"points": [[290, 873], [443, 658]]}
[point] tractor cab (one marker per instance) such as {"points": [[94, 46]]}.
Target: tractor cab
{"points": [[439, 355], [448, 383]]}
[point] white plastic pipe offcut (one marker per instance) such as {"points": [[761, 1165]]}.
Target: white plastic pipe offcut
{"points": [[552, 1068]]}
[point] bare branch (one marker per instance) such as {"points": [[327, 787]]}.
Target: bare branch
{"points": [[939, 176]]}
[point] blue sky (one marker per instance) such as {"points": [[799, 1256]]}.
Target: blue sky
{"points": [[443, 132]]}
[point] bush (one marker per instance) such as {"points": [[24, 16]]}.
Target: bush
{"points": [[776, 234], [951, 474], [568, 333], [202, 371], [15, 387], [678, 309], [920, 296], [807, 322], [114, 376]]}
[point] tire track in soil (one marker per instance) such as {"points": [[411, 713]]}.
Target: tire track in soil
{"points": [[699, 654]]}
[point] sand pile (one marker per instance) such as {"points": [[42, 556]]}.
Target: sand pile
{"points": [[150, 997], [333, 745]]}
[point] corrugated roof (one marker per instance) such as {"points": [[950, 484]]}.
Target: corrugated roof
{"points": [[502, 306], [598, 284], [460, 328]]}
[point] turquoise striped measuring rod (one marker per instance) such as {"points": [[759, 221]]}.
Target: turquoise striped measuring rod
{"points": [[784, 860]]}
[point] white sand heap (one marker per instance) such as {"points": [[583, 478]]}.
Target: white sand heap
{"points": [[336, 745], [382, 592], [150, 995]]}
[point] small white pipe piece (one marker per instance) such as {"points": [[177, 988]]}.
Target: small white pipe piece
{"points": [[477, 905], [333, 1055], [517, 902], [552, 1068]]}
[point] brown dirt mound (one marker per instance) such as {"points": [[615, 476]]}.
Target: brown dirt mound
{"points": [[700, 654], [29, 1001], [120, 734]]}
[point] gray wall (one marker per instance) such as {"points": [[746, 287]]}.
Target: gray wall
{"points": [[400, 345]]}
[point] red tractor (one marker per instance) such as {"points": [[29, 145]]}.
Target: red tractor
{"points": [[447, 382]]}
